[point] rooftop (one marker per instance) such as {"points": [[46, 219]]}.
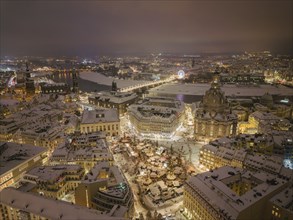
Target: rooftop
{"points": [[82, 151], [284, 199], [54, 84], [99, 115], [266, 116], [114, 97], [52, 173], [159, 108], [104, 167], [47, 207], [214, 188], [13, 154]]}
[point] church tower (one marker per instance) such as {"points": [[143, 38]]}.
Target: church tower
{"points": [[213, 118], [114, 86], [29, 82], [75, 88]]}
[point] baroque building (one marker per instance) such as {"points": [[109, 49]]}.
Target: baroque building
{"points": [[213, 116], [113, 99], [156, 116], [100, 120]]}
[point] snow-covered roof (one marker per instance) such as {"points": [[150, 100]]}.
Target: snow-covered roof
{"points": [[8, 101], [48, 207], [52, 173], [213, 187], [264, 116], [49, 85], [82, 151], [99, 116], [13, 155], [284, 199], [93, 174], [210, 148], [161, 109], [114, 97]]}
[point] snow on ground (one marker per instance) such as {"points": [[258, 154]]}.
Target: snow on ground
{"points": [[104, 80], [230, 90], [4, 101]]}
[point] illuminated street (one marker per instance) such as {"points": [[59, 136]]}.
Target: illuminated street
{"points": [[181, 142]]}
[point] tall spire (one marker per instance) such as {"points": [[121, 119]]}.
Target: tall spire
{"points": [[26, 64], [114, 86], [216, 80], [74, 81], [28, 74], [29, 82]]}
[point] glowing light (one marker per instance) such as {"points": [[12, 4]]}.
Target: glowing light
{"points": [[12, 81], [284, 101], [288, 163], [181, 74]]}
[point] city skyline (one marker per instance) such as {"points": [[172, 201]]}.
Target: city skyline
{"points": [[150, 137], [99, 27]]}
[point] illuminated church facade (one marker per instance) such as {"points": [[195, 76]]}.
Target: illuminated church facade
{"points": [[214, 117]]}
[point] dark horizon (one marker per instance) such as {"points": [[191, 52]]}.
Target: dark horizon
{"points": [[141, 54], [94, 28]]}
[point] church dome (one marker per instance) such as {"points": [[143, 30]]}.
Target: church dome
{"points": [[214, 99], [267, 100]]}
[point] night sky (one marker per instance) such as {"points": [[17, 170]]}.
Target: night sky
{"points": [[89, 28]]}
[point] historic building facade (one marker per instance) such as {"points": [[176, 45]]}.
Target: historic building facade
{"points": [[156, 116], [114, 99], [100, 120], [213, 116]]}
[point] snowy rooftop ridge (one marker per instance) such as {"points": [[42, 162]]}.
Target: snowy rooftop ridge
{"points": [[213, 187], [47, 207], [66, 152], [157, 108], [104, 167], [52, 173], [100, 115], [13, 154], [114, 97], [284, 199]]}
